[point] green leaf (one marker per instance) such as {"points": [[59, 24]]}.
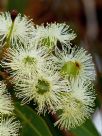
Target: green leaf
{"points": [[32, 124], [87, 129], [50, 122], [19, 5]]}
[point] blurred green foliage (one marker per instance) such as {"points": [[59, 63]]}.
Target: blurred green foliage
{"points": [[32, 124], [87, 129], [19, 5]]}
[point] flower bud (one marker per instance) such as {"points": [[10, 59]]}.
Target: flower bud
{"points": [[14, 14]]}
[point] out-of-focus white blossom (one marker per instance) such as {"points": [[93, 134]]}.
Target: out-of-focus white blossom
{"points": [[9, 127], [77, 105], [6, 104]]}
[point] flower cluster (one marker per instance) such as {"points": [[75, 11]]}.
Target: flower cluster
{"points": [[55, 78]]}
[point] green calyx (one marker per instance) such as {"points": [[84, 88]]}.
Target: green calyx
{"points": [[70, 68], [14, 14], [29, 60], [48, 42], [43, 86], [9, 35]]}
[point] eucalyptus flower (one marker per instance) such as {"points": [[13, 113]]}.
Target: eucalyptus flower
{"points": [[15, 28], [9, 127], [77, 105], [42, 91], [23, 62], [49, 35], [75, 63], [6, 104]]}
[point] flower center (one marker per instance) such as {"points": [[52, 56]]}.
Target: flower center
{"points": [[70, 68], [43, 86], [29, 60]]}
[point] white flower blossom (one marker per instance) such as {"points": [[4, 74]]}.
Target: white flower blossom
{"points": [[49, 35], [43, 90], [77, 105], [9, 127], [22, 28], [6, 105], [24, 61], [75, 63]]}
